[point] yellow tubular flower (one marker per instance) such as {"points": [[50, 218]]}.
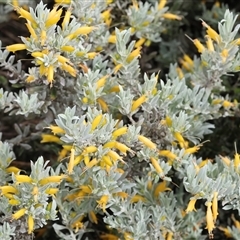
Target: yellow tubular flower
{"points": [[8, 189], [112, 39], [209, 43], [211, 33], [135, 53], [30, 224], [188, 60], [161, 187], [106, 159], [31, 30], [43, 37], [90, 149], [13, 169], [140, 42], [71, 161], [209, 219], [215, 206], [92, 163], [168, 154], [92, 55], [67, 48], [50, 138], [137, 198], [114, 156], [96, 121], [111, 144], [102, 104], [191, 205], [137, 103], [122, 148], [156, 165], [51, 179], [69, 69], [13, 202], [117, 68], [171, 16], [19, 213], [66, 18], [56, 130], [119, 132], [147, 142], [161, 4], [102, 202], [81, 31], [198, 45], [178, 136], [16, 47], [53, 17], [51, 191], [27, 15], [23, 179], [93, 217], [101, 82]]}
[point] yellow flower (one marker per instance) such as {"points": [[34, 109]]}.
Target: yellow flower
{"points": [[211, 33], [96, 121], [19, 213], [71, 161], [16, 47], [93, 217], [191, 205], [102, 202], [30, 224], [27, 15], [137, 103], [147, 142], [161, 4], [102, 104], [69, 69], [112, 39], [53, 17], [119, 132], [171, 16], [209, 44], [215, 206], [56, 129], [23, 179], [210, 221], [31, 30], [66, 18], [50, 138], [156, 165], [67, 48], [114, 156], [51, 191], [51, 179], [8, 189], [13, 169], [161, 187], [14, 202], [135, 53], [84, 30], [138, 198]]}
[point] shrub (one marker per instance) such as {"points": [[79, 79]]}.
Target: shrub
{"points": [[113, 147]]}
